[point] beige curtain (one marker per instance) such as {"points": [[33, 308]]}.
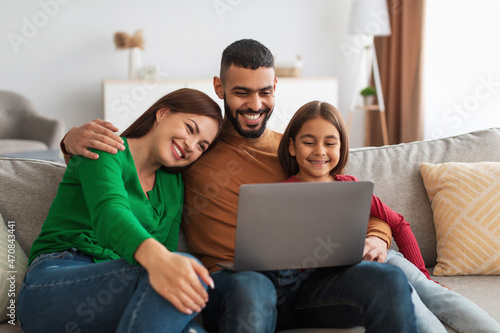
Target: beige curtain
{"points": [[399, 59]]}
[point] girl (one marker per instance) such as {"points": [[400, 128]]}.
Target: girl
{"points": [[314, 148], [104, 260]]}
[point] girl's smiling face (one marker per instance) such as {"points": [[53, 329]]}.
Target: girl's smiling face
{"points": [[317, 150]]}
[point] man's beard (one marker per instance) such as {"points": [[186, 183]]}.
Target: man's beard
{"points": [[249, 134]]}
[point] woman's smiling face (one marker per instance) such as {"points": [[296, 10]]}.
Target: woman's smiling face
{"points": [[317, 150], [180, 138]]}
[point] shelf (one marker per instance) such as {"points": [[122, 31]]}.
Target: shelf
{"points": [[368, 107], [375, 107]]}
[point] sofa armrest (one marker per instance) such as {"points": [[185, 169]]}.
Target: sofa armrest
{"points": [[40, 128]]}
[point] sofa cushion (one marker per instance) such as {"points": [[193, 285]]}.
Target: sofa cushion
{"points": [[396, 172], [27, 189], [481, 289], [465, 200]]}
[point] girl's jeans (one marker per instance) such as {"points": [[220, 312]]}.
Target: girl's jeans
{"points": [[67, 292], [433, 301]]}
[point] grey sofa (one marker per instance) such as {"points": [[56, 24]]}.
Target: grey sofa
{"points": [[22, 128], [27, 188]]}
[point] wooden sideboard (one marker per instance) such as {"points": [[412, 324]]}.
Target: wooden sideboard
{"points": [[126, 100]]}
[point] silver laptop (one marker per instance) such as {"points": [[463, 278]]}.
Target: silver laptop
{"points": [[301, 225]]}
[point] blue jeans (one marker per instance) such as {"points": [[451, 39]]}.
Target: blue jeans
{"points": [[67, 292], [369, 294], [434, 303], [242, 302]]}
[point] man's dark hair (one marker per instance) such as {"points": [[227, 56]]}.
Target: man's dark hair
{"points": [[246, 53]]}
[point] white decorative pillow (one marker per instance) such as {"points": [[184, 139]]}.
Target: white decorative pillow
{"points": [[465, 199], [13, 264]]}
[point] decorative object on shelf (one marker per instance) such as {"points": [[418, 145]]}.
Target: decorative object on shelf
{"points": [[150, 72], [369, 18], [288, 69], [135, 44], [368, 94]]}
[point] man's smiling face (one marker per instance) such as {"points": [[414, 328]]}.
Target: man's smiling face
{"points": [[248, 99]]}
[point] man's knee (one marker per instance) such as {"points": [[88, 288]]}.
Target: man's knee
{"points": [[258, 313], [253, 287], [248, 300], [384, 278]]}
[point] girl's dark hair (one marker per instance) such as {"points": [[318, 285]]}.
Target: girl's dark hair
{"points": [[183, 100], [312, 110]]}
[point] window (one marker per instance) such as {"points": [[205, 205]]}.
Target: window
{"points": [[461, 54]]}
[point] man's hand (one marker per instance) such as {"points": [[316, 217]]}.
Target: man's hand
{"points": [[98, 134], [375, 249]]}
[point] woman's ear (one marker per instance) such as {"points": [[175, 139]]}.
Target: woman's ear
{"points": [[160, 113], [291, 147]]}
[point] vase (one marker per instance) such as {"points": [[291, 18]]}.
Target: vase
{"points": [[369, 100], [135, 63]]}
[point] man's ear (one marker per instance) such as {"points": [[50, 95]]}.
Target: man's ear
{"points": [[291, 147], [218, 87]]}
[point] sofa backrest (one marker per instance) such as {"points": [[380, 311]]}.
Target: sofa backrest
{"points": [[396, 172], [27, 189]]}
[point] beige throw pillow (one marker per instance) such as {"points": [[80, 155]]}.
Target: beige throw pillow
{"points": [[465, 199]]}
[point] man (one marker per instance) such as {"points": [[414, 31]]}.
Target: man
{"points": [[370, 294]]}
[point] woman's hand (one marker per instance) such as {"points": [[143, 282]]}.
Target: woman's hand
{"points": [[174, 276], [98, 134], [375, 249]]}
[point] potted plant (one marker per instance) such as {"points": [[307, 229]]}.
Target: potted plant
{"points": [[368, 94]]}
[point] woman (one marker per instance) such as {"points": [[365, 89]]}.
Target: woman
{"points": [[104, 260]]}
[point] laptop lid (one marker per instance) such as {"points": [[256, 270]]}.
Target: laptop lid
{"points": [[301, 225]]}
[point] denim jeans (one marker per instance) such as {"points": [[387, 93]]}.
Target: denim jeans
{"points": [[369, 294], [242, 302], [67, 292], [373, 295], [433, 301]]}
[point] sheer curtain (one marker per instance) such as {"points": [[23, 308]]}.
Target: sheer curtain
{"points": [[400, 57]]}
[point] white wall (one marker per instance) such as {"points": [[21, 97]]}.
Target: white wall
{"points": [[462, 67], [57, 52]]}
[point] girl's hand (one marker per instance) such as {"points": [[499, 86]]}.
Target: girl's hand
{"points": [[174, 276], [375, 249]]}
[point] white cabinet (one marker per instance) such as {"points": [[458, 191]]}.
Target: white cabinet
{"points": [[126, 100]]}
